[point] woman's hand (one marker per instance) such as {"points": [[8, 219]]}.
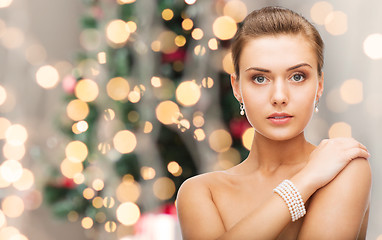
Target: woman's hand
{"points": [[330, 157]]}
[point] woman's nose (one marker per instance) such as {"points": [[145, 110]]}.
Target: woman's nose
{"points": [[279, 93]]}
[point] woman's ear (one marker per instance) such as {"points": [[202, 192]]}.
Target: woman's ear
{"points": [[320, 85], [235, 83]]}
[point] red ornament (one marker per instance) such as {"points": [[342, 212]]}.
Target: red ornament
{"points": [[238, 126], [68, 183], [178, 55], [69, 84]]}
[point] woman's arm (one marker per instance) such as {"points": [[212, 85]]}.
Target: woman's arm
{"points": [[200, 219], [340, 206]]}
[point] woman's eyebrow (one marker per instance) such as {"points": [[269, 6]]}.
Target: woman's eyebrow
{"points": [[268, 71], [258, 69], [298, 66]]}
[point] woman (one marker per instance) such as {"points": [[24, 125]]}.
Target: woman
{"points": [[278, 81]]}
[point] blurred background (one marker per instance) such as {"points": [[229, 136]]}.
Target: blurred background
{"points": [[107, 106]]}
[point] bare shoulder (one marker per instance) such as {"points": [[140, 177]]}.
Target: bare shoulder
{"points": [[341, 206], [198, 184], [197, 210]]}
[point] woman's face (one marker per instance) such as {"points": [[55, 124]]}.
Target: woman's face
{"points": [[278, 84]]}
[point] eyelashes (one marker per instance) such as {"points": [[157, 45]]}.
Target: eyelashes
{"points": [[295, 77]]}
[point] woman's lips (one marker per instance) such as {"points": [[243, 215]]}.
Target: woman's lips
{"points": [[279, 118]]}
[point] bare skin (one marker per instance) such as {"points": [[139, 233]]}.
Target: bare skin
{"points": [[278, 74]]}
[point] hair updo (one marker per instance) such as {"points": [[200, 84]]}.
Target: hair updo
{"points": [[274, 21]]}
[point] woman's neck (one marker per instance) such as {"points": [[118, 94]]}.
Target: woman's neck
{"points": [[268, 155]]}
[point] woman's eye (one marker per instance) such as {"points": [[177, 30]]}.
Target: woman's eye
{"points": [[298, 77], [259, 79]]}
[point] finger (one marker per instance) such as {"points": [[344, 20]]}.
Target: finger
{"points": [[357, 153]]}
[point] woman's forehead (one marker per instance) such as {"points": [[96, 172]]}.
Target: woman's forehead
{"points": [[277, 50]]}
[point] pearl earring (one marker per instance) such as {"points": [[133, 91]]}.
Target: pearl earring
{"points": [[316, 106], [242, 109]]}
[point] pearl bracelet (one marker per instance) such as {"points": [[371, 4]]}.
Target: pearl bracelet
{"points": [[289, 193]]}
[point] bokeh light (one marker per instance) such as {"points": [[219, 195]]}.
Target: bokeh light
{"points": [[26, 180], [77, 110], [128, 213], [11, 170], [33, 200], [47, 76], [118, 88], [87, 223], [9, 232], [128, 191], [148, 127], [197, 33], [108, 202], [190, 2], [5, 3], [174, 168], [167, 42], [207, 82], [352, 91], [15, 152], [4, 125], [188, 93], [372, 46], [228, 159], [134, 96], [101, 56], [13, 38], [224, 27], [340, 129], [220, 140], [109, 114], [98, 184], [110, 226], [247, 138], [97, 202], [116, 32], [3, 182], [334, 101], [88, 193], [3, 220], [131, 26], [199, 50], [124, 141], [3, 95], [70, 169], [13, 206], [198, 119], [164, 188], [72, 216], [199, 134], [228, 63], [125, 1], [187, 24], [180, 41], [167, 14], [35, 54], [147, 173], [319, 12], [16, 134], [235, 9], [86, 90], [76, 151], [336, 23], [167, 112], [213, 44]]}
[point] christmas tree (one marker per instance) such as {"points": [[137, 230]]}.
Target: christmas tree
{"points": [[148, 105]]}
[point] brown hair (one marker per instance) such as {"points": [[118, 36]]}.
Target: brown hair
{"points": [[274, 21]]}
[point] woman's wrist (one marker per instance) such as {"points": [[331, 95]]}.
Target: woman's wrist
{"points": [[305, 184]]}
